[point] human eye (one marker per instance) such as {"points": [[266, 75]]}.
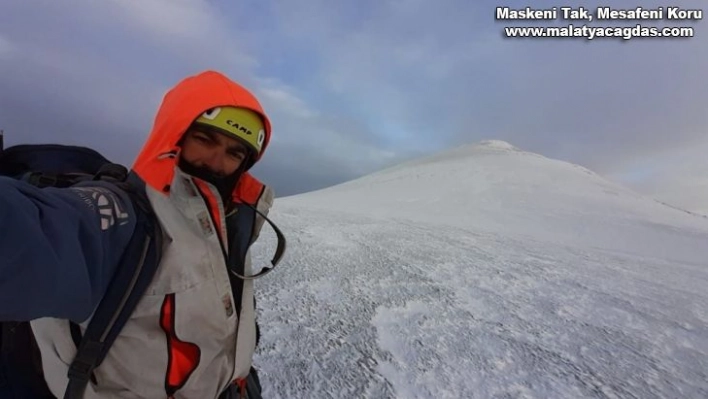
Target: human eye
{"points": [[201, 137], [238, 155]]}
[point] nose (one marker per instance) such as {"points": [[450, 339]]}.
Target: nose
{"points": [[215, 162]]}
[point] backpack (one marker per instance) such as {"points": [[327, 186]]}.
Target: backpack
{"points": [[52, 165]]}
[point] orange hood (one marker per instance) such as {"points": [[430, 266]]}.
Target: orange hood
{"points": [[180, 107]]}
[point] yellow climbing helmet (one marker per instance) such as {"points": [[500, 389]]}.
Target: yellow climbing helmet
{"points": [[243, 123]]}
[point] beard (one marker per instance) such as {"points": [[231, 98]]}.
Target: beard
{"points": [[225, 184]]}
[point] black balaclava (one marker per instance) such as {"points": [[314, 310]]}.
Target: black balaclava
{"points": [[225, 184]]}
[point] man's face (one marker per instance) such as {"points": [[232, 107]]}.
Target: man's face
{"points": [[221, 154]]}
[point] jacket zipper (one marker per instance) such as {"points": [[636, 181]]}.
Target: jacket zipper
{"points": [[226, 264], [213, 221]]}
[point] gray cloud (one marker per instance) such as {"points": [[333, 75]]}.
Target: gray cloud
{"points": [[442, 75], [312, 150], [67, 74], [61, 84], [353, 87], [601, 104], [51, 96], [446, 65], [678, 177]]}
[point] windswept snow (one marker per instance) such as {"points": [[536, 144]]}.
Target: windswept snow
{"points": [[486, 272]]}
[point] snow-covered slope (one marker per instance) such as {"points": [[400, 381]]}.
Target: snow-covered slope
{"points": [[493, 186], [484, 272]]}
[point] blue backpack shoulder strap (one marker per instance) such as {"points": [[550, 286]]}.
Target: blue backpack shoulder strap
{"points": [[135, 273]]}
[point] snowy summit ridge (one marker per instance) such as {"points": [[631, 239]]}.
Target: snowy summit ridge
{"points": [[498, 144], [494, 186]]}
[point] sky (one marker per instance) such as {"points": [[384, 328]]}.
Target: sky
{"points": [[354, 87]]}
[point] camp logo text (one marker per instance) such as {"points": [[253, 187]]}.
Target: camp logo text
{"points": [[238, 127]]}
